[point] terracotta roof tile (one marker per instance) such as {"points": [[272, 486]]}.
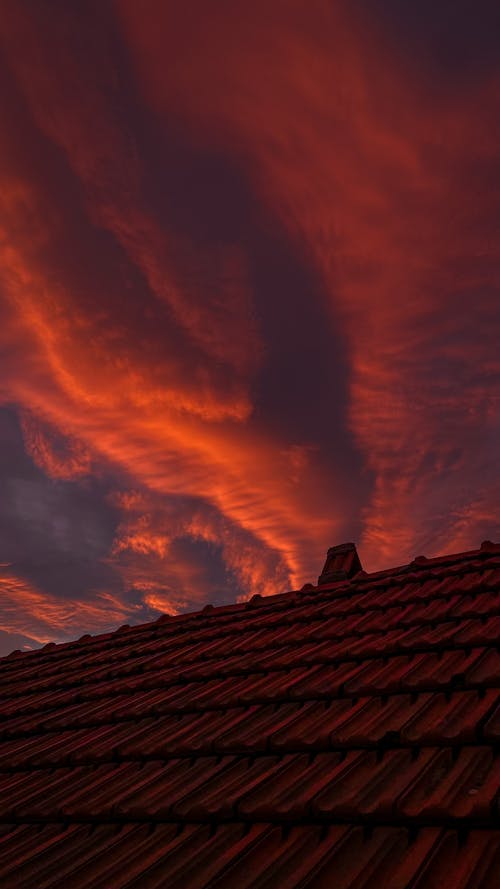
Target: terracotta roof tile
{"points": [[344, 735]]}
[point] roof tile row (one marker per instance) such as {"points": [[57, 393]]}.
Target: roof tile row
{"points": [[330, 736], [426, 785], [262, 857], [411, 720], [111, 647], [448, 635]]}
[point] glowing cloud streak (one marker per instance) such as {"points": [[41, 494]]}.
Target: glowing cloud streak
{"points": [[150, 368], [381, 184], [30, 611]]}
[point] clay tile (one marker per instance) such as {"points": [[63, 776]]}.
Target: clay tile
{"points": [[342, 563], [307, 588], [420, 560], [163, 619], [84, 638], [48, 646], [209, 607], [15, 653], [123, 628]]}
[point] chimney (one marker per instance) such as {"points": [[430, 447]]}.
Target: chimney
{"points": [[342, 562]]}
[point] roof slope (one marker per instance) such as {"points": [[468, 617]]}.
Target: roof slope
{"points": [[344, 735]]}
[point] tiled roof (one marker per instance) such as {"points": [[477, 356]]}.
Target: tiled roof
{"points": [[343, 736]]}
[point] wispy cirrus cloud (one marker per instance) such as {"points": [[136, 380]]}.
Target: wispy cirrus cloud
{"points": [[249, 297], [135, 350], [52, 614], [393, 192]]}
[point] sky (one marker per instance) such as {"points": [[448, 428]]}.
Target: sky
{"points": [[249, 298]]}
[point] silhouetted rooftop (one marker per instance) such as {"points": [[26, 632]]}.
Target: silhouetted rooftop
{"points": [[344, 735]]}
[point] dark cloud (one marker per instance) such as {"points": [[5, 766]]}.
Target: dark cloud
{"points": [[55, 536], [12, 641], [451, 42], [249, 285], [46, 522]]}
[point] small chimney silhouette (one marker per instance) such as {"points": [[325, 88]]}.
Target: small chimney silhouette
{"points": [[342, 562]]}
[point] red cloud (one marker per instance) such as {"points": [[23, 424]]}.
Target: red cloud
{"points": [[39, 615], [388, 190], [152, 365]]}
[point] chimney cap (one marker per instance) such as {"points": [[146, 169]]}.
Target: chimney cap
{"points": [[342, 548], [342, 563]]}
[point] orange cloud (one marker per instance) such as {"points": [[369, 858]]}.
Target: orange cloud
{"points": [[386, 188], [206, 292], [149, 363], [66, 459], [115, 384], [148, 529], [29, 611]]}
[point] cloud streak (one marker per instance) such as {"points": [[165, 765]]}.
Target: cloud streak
{"points": [[394, 194], [249, 290]]}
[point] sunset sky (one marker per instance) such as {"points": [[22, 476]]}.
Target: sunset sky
{"points": [[250, 298]]}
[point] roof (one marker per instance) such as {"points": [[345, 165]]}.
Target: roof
{"points": [[343, 735]]}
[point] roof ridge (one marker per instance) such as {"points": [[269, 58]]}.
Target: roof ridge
{"points": [[420, 565]]}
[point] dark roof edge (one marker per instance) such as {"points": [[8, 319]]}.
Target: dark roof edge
{"points": [[419, 565]]}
